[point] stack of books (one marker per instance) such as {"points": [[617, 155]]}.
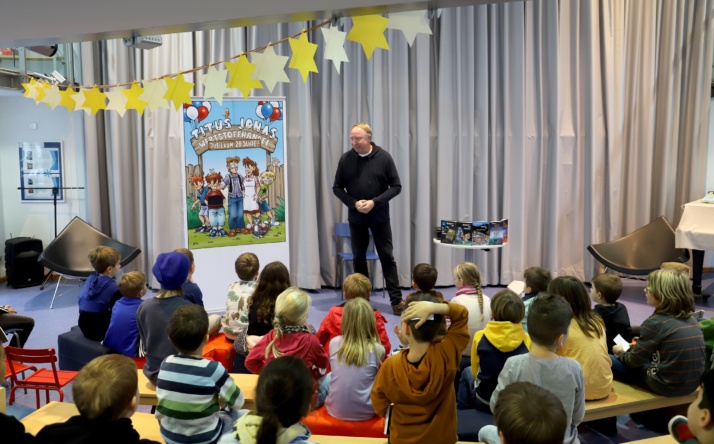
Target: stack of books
{"points": [[474, 233]]}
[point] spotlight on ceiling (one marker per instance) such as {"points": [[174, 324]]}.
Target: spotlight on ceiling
{"points": [[47, 51]]}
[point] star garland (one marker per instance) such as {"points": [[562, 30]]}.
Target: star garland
{"points": [[266, 70]]}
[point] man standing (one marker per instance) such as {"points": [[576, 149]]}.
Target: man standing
{"points": [[234, 182], [366, 180]]}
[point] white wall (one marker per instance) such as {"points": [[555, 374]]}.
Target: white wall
{"points": [[708, 257], [36, 219]]}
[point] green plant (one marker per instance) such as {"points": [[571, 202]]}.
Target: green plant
{"points": [[280, 210], [192, 220]]}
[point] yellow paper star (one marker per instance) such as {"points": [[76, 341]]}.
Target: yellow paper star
{"points": [[79, 100], [67, 100], [30, 88], [241, 75], [179, 91], [132, 98], [303, 58], [117, 102], [369, 30], [270, 67], [40, 88], [154, 94], [95, 100], [52, 96]]}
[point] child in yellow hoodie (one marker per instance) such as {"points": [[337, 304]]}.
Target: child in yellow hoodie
{"points": [[414, 389], [502, 338]]}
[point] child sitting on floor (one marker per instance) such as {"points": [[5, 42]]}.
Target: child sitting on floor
{"points": [[193, 293], [548, 323], [106, 394], [586, 338], [123, 334], [291, 336], [502, 338], [189, 386], [467, 278], [424, 277], [518, 422], [355, 357], [355, 286], [606, 290], [282, 398], [414, 389], [99, 293], [247, 266]]}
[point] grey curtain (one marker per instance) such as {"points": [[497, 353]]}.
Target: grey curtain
{"points": [[577, 121]]}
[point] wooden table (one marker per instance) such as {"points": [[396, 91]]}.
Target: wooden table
{"points": [[247, 384], [327, 439], [626, 399], [54, 412], [696, 232], [664, 439]]}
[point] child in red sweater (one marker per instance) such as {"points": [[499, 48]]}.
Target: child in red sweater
{"points": [[355, 286]]}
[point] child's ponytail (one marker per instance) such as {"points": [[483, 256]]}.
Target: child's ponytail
{"points": [[291, 308], [268, 430], [470, 275]]}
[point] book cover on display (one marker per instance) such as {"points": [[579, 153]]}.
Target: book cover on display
{"points": [[480, 233], [504, 223], [709, 197], [448, 231], [463, 233], [496, 229]]}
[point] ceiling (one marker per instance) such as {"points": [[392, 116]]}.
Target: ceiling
{"points": [[42, 22]]}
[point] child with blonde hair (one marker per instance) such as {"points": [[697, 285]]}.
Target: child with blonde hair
{"points": [[469, 294], [355, 358], [586, 337], [670, 334], [290, 336]]}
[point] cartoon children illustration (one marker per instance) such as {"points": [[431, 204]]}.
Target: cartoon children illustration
{"points": [[234, 182], [266, 179], [201, 191], [214, 201], [251, 184]]}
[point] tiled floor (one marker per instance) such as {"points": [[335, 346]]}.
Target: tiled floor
{"points": [[50, 323]]}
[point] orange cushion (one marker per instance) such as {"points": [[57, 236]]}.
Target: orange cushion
{"points": [[139, 362], [321, 423], [221, 350]]}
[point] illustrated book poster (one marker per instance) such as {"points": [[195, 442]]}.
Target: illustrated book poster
{"points": [[41, 170], [236, 172]]}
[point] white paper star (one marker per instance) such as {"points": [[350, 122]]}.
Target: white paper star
{"points": [[154, 94], [335, 46], [410, 23], [52, 96], [79, 102], [270, 67], [117, 102], [214, 84]]}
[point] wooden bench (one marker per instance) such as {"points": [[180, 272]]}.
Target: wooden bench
{"points": [[54, 412], [665, 439], [626, 399], [247, 384]]}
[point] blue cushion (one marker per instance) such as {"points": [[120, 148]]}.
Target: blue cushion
{"points": [[75, 350]]}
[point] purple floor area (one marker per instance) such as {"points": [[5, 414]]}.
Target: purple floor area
{"points": [[50, 323]]}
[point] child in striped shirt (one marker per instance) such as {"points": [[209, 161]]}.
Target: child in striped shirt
{"points": [[189, 386]]}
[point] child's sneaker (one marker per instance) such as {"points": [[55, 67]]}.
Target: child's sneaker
{"points": [[222, 232], [680, 431], [274, 222], [213, 233]]}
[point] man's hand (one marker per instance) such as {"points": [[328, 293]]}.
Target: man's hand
{"points": [[364, 206], [10, 309]]}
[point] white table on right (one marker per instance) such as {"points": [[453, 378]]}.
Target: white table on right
{"points": [[696, 232], [469, 249]]}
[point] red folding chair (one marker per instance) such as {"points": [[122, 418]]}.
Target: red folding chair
{"points": [[42, 378], [20, 368]]}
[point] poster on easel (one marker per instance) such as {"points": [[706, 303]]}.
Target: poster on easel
{"points": [[235, 172], [40, 171]]}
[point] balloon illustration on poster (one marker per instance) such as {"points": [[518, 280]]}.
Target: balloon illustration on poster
{"points": [[196, 112], [269, 111]]}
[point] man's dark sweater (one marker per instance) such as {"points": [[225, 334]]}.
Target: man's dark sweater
{"points": [[617, 322], [372, 177]]}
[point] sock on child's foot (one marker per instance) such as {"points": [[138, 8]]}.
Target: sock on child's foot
{"points": [[680, 431]]}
